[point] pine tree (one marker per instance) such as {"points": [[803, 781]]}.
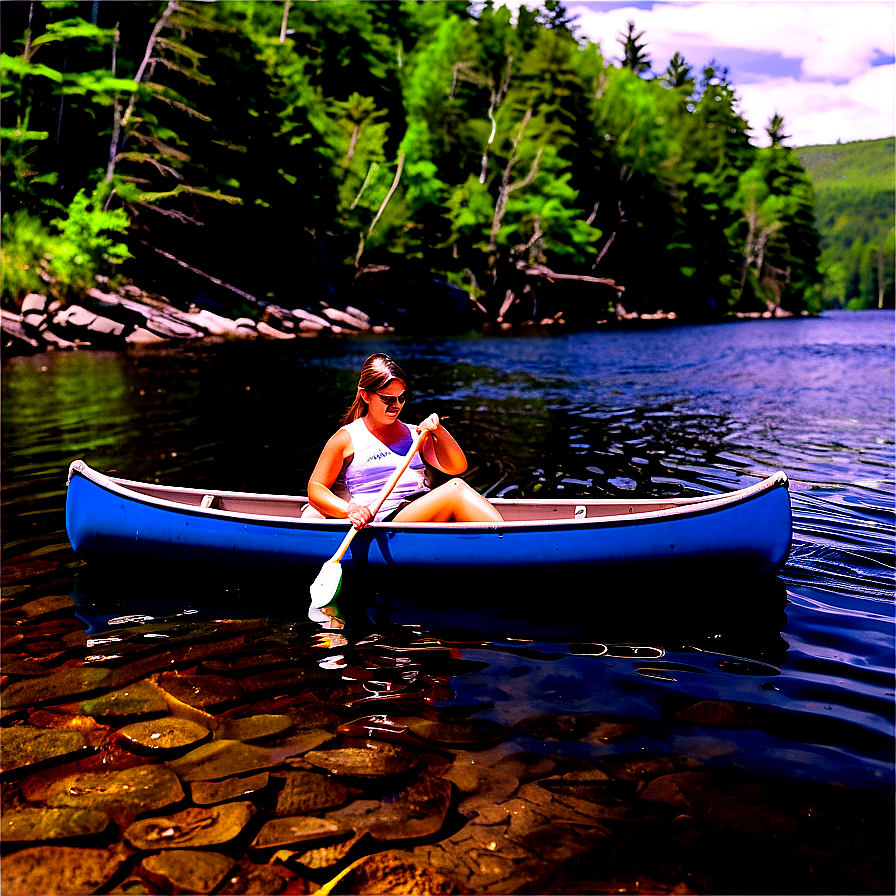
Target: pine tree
{"points": [[635, 55]]}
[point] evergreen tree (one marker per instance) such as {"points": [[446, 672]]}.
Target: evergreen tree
{"points": [[634, 50]]}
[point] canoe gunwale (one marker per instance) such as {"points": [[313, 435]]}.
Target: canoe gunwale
{"points": [[684, 507]]}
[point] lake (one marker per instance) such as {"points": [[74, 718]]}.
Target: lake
{"points": [[710, 734]]}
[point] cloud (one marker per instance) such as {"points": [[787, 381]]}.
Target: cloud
{"points": [[815, 112], [834, 40], [815, 63]]}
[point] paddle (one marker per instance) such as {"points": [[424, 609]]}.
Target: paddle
{"points": [[329, 580]]}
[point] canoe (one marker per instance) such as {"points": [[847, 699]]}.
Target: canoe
{"points": [[110, 519]]}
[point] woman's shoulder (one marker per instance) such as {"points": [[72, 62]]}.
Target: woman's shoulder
{"points": [[340, 440]]}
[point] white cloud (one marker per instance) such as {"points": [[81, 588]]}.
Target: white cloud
{"points": [[814, 112], [835, 40], [822, 53]]}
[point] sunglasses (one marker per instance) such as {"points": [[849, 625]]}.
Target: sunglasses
{"points": [[391, 400]]}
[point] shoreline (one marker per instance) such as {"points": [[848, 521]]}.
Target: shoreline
{"points": [[132, 318]]}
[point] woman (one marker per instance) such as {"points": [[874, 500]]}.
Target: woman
{"points": [[358, 459]]}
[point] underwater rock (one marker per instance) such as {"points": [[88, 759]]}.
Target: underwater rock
{"points": [[591, 785], [61, 870], [123, 794], [253, 727], [289, 748], [138, 699], [207, 793], [371, 759], [186, 870], [249, 879], [220, 759], [46, 606], [417, 811], [284, 680], [456, 734], [35, 825], [164, 735], [721, 714], [57, 686], [321, 856], [191, 827], [390, 872], [729, 800], [306, 792], [591, 728], [200, 691], [24, 746], [298, 829]]}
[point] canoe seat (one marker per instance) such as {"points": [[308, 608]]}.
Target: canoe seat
{"points": [[209, 502]]}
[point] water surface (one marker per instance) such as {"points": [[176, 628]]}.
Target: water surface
{"points": [[787, 678]]}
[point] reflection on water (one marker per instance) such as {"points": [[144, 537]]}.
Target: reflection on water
{"points": [[580, 703]]}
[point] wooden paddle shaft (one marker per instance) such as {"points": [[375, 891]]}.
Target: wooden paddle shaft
{"points": [[387, 490]]}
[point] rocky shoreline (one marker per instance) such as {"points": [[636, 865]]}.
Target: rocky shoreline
{"points": [[131, 317]]}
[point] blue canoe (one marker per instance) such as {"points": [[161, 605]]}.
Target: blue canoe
{"points": [[110, 519]]}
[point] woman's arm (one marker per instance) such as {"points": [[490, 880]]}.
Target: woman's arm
{"points": [[441, 450], [328, 467]]}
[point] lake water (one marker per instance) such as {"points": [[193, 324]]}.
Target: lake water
{"points": [[786, 681]]}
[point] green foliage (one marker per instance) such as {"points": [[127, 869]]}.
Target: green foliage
{"points": [[24, 246], [444, 133], [86, 246], [854, 187]]}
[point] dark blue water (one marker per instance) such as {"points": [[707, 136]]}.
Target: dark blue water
{"points": [[672, 410]]}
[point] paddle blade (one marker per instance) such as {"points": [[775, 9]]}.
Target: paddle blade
{"points": [[327, 584]]}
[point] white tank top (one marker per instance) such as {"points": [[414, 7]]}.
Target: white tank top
{"points": [[372, 465]]}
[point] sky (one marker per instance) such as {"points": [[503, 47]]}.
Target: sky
{"points": [[826, 66]]}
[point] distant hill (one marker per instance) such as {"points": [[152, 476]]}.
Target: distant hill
{"points": [[855, 190]]}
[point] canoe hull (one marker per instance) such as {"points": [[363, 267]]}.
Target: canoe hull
{"points": [[106, 522]]}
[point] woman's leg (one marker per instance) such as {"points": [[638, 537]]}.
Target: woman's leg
{"points": [[455, 500]]}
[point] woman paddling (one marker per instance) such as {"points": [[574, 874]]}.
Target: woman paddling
{"points": [[358, 459]]}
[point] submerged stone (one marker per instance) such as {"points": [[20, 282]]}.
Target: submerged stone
{"points": [[592, 785], [456, 734], [253, 727], [34, 825], [123, 794], [220, 759], [24, 746], [291, 679], [733, 801], [61, 870], [418, 811], [44, 606], [390, 872], [305, 792], [297, 829], [138, 699], [207, 793], [323, 856], [164, 735], [591, 728], [191, 827], [200, 691], [186, 870], [721, 714], [249, 879], [371, 760], [57, 686]]}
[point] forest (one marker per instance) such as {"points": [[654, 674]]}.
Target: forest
{"points": [[855, 184], [434, 159]]}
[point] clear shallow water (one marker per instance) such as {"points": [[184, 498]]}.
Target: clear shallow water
{"points": [[663, 411]]}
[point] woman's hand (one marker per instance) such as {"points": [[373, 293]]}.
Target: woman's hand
{"points": [[358, 514], [430, 424]]}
